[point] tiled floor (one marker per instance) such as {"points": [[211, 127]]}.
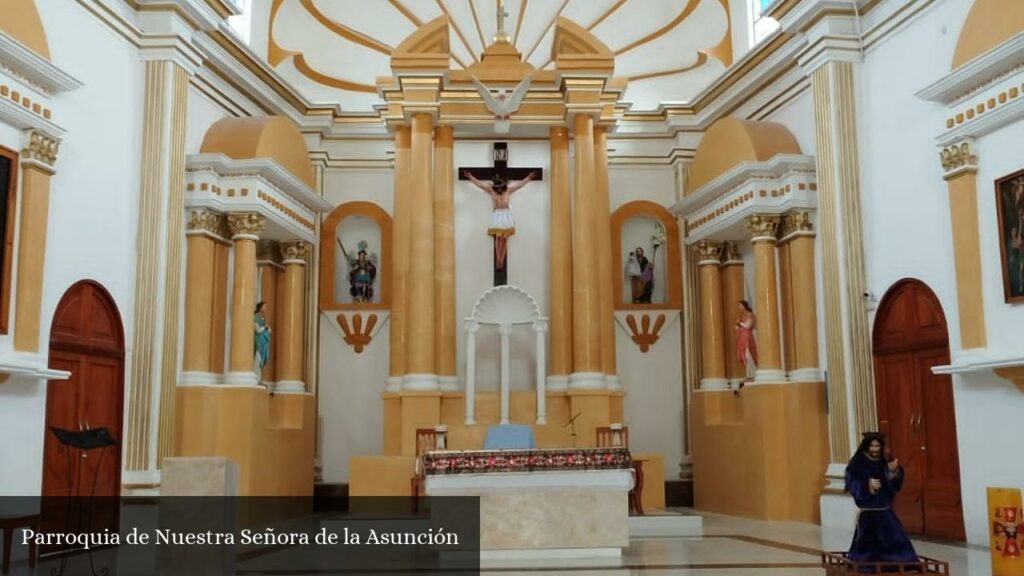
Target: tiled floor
{"points": [[739, 547]]}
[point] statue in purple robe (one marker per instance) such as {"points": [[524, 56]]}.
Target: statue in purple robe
{"points": [[873, 481]]}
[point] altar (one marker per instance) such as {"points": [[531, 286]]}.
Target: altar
{"points": [[567, 503]]}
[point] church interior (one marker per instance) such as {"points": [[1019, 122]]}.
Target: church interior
{"points": [[678, 255]]}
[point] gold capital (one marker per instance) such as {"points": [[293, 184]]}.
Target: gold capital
{"points": [[295, 250], [268, 250], [793, 222], [709, 252], [41, 148], [204, 220], [958, 158], [731, 252], [246, 224], [763, 227]]}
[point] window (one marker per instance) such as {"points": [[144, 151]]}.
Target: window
{"points": [[8, 193], [763, 26], [242, 24]]}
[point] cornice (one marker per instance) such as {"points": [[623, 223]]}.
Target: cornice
{"points": [[264, 168], [204, 14], [33, 69], [777, 166], [19, 116], [977, 74]]}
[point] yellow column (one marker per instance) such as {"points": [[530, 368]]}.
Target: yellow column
{"points": [[732, 292], [399, 257], [37, 169], [268, 279], [712, 330], [199, 274], [603, 230], [763, 229], [291, 318], [799, 232], [586, 299], [420, 373], [560, 261], [785, 304], [245, 230], [961, 166], [444, 258]]}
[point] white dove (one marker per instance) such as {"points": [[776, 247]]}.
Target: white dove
{"points": [[501, 104]]}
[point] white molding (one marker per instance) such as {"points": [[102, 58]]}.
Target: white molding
{"points": [[716, 384], [448, 383], [769, 376], [806, 375], [393, 384], [189, 378], [22, 369], [20, 117], [978, 360], [245, 379], [289, 387], [506, 305], [978, 73], [33, 68], [1003, 115], [775, 167], [424, 382], [266, 168], [557, 382], [586, 381], [200, 11]]}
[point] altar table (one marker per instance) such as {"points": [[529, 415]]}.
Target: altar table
{"points": [[540, 503]]}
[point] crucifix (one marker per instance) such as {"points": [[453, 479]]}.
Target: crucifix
{"points": [[502, 185]]}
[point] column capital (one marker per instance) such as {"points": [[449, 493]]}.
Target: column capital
{"points": [[246, 225], [203, 221], [295, 252], [540, 325], [40, 151], [505, 329], [471, 326], [709, 253], [763, 227], [796, 223], [731, 253], [958, 158]]}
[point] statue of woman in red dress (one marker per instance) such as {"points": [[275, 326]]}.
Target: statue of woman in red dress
{"points": [[746, 344]]}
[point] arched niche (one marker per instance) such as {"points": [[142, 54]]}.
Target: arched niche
{"points": [[352, 223], [731, 141], [988, 24], [274, 137], [633, 225]]}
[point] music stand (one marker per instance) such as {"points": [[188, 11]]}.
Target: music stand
{"points": [[572, 427], [87, 439]]}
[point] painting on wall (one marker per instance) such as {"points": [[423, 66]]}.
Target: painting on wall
{"points": [[1010, 207]]}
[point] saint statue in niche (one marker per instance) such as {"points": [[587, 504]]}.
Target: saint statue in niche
{"points": [[362, 271], [262, 340], [640, 269], [746, 345]]}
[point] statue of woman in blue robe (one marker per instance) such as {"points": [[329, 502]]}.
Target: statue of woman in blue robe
{"points": [[873, 482], [262, 341]]}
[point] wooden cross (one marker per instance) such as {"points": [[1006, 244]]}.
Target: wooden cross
{"points": [[502, 169]]}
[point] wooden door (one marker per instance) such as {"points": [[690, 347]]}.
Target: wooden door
{"points": [[915, 408], [86, 340]]}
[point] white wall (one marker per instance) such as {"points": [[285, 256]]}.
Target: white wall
{"points": [[907, 232], [93, 206]]}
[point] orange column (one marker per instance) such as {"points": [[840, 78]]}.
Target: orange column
{"points": [[586, 299], [245, 230], [399, 257], [732, 292], [444, 258], [199, 285], [961, 166], [763, 229], [603, 230], [37, 169], [798, 230], [712, 333], [560, 261], [420, 371], [291, 303]]}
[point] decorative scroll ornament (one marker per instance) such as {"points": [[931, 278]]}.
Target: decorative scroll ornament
{"points": [[41, 148], [295, 251], [646, 335], [246, 224], [794, 222], [709, 252], [763, 226], [959, 156], [357, 335], [203, 220]]}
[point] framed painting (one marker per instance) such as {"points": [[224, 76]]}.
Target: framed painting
{"points": [[1010, 208]]}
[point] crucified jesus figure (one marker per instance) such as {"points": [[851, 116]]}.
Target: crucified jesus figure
{"points": [[502, 226]]}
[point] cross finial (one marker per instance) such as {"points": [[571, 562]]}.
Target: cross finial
{"points": [[502, 35]]}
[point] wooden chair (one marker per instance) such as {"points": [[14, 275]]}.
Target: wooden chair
{"points": [[605, 439], [426, 440], [8, 525]]}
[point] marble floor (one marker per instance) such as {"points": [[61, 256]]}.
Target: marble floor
{"points": [[732, 546]]}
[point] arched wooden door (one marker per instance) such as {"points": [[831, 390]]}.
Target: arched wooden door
{"points": [[915, 408], [86, 340]]}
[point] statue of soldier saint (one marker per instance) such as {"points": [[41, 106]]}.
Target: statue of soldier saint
{"points": [[502, 225]]}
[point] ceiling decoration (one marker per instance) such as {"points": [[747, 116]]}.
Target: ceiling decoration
{"points": [[334, 51]]}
